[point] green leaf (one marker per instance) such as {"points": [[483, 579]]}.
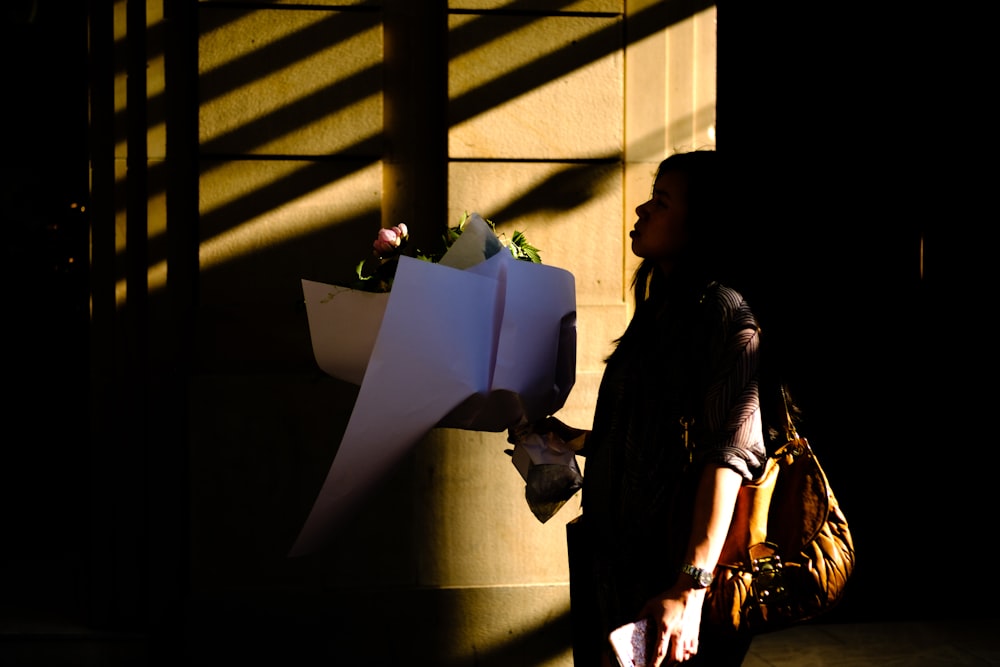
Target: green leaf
{"points": [[359, 270], [523, 250]]}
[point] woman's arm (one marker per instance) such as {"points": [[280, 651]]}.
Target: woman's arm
{"points": [[676, 614], [552, 428], [574, 438], [732, 451], [713, 513]]}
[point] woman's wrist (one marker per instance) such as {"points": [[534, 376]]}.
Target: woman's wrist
{"points": [[685, 589]]}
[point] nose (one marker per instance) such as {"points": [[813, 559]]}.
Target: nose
{"points": [[640, 208]]}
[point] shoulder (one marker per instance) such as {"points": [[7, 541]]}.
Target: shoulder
{"points": [[725, 306]]}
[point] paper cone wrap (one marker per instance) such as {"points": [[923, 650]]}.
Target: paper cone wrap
{"points": [[481, 348]]}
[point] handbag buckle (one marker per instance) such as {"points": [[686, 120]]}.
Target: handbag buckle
{"points": [[768, 580]]}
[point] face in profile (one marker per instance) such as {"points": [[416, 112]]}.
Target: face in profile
{"points": [[660, 233]]}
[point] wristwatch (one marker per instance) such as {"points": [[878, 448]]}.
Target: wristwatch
{"points": [[702, 578]]}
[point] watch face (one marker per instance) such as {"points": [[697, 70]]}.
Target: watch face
{"points": [[703, 578]]}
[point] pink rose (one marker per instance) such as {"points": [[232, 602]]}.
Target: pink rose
{"points": [[390, 239]]}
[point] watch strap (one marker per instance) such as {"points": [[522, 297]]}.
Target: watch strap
{"points": [[702, 578]]}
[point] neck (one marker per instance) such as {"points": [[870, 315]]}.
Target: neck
{"points": [[667, 266]]}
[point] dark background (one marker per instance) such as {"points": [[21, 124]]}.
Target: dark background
{"points": [[45, 476], [860, 138]]}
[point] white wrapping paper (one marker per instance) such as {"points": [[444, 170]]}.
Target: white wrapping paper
{"points": [[482, 348]]}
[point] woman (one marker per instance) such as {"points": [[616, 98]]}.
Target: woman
{"points": [[676, 431]]}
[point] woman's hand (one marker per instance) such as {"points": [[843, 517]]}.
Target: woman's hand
{"points": [[675, 617], [676, 614], [552, 427], [553, 431]]}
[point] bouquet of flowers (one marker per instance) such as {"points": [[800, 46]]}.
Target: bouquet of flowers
{"points": [[471, 338], [377, 272]]}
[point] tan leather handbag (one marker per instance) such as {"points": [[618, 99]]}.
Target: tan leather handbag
{"points": [[789, 552]]}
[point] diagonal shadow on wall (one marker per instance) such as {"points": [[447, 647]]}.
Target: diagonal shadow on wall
{"points": [[316, 173]]}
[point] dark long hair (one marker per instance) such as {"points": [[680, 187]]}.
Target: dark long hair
{"points": [[720, 243], [728, 245]]}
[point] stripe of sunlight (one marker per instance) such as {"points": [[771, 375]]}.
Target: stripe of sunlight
{"points": [[121, 74], [295, 218], [495, 58], [156, 274], [347, 55], [552, 10], [232, 239], [352, 55], [157, 135], [482, 97], [121, 85], [498, 645], [258, 45], [650, 146], [493, 74]]}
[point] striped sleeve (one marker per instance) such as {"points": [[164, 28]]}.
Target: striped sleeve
{"points": [[733, 434]]}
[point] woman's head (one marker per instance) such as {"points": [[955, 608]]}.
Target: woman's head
{"points": [[661, 232], [678, 227], [684, 230]]}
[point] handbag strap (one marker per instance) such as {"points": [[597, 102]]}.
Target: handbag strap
{"points": [[790, 431], [795, 444]]}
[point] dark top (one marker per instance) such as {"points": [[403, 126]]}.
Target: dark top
{"points": [[694, 355]]}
